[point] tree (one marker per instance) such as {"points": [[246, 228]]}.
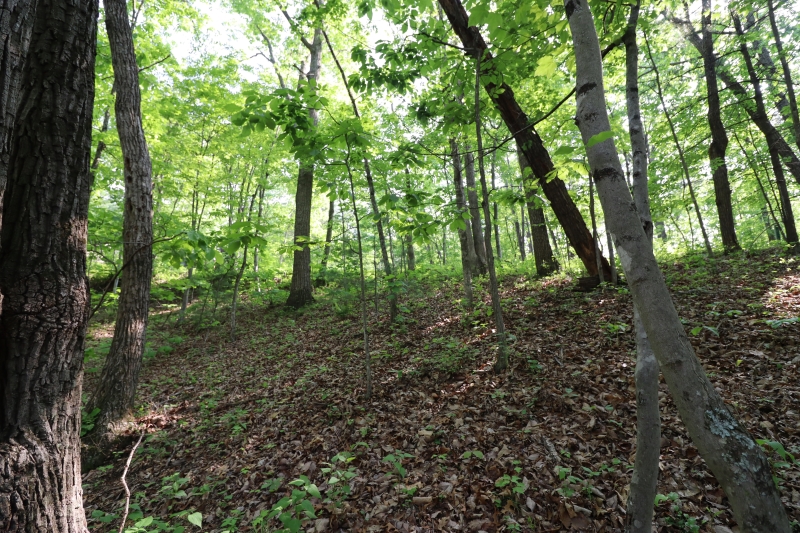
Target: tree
{"points": [[43, 261], [116, 392], [738, 463]]}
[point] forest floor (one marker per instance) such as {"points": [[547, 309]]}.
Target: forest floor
{"points": [[445, 444]]}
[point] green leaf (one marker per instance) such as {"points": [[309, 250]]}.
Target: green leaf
{"points": [[564, 150], [144, 522], [195, 519], [600, 137], [546, 67]]}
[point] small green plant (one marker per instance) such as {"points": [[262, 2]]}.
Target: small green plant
{"points": [[615, 329], [534, 366], [787, 460], [88, 420], [340, 472], [678, 518], [396, 460], [778, 322], [171, 488], [472, 453], [291, 511]]}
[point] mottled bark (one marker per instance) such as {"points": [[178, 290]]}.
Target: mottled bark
{"points": [[475, 211], [43, 281], [527, 138], [738, 463], [300, 290], [116, 390], [639, 508]]}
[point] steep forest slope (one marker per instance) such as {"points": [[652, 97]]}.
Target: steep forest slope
{"points": [[445, 444]]}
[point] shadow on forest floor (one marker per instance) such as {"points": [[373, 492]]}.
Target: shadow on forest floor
{"points": [[444, 444]]}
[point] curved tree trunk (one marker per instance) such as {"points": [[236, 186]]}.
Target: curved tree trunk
{"points": [[45, 295], [300, 291], [116, 389], [738, 463], [527, 138], [644, 480]]}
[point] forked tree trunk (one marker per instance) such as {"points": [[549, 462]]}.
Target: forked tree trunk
{"points": [[45, 306], [739, 464], [468, 258], [527, 138], [116, 391], [475, 211], [546, 264], [300, 291], [639, 508]]}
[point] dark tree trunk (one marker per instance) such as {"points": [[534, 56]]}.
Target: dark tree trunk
{"points": [[326, 253], [527, 138], [300, 291], [495, 207], [43, 281], [787, 73], [546, 264], [475, 211], [116, 390], [410, 255], [719, 138], [468, 259], [777, 168], [520, 239]]}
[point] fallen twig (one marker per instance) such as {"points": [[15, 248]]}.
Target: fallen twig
{"points": [[125, 484]]}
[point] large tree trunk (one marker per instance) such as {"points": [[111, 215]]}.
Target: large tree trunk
{"points": [[475, 211], [468, 259], [116, 390], [777, 168], [639, 508], [527, 138], [300, 291], [546, 264], [739, 464], [43, 281], [719, 138], [787, 73]]}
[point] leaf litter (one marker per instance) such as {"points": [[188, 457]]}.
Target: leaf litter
{"points": [[445, 444]]}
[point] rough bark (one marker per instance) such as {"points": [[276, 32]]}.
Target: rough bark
{"points": [[468, 258], [527, 138], [719, 137], [475, 211], [738, 463], [777, 168], [45, 305], [116, 390], [546, 264], [639, 508], [300, 290]]}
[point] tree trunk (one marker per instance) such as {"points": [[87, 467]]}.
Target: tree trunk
{"points": [[777, 168], [520, 240], [527, 138], [116, 390], [475, 211], [468, 258], [326, 253], [300, 291], [639, 508], [679, 148], [546, 264], [45, 176], [719, 138], [787, 73], [411, 256], [495, 207], [739, 464]]}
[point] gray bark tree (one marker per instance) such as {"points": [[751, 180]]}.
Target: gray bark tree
{"points": [[468, 259], [45, 177], [739, 464], [475, 211]]}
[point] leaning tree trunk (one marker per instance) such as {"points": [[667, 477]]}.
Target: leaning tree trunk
{"points": [[739, 464], [475, 211], [777, 168], [546, 264], [45, 305], [300, 291], [644, 480], [468, 259], [527, 138], [719, 138], [116, 390], [787, 73]]}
